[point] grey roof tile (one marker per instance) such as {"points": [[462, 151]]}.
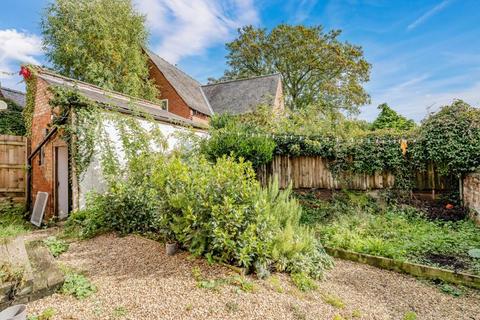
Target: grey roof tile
{"points": [[13, 95], [243, 95]]}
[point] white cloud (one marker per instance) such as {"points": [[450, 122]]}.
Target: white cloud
{"points": [[16, 48], [427, 15], [188, 28]]}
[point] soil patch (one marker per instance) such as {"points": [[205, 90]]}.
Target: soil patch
{"points": [[446, 261]]}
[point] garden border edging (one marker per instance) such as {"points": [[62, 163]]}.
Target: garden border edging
{"points": [[414, 269]]}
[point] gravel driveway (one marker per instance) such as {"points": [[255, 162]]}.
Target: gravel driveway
{"points": [[136, 280]]}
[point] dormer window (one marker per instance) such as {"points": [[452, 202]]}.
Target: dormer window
{"points": [[164, 104]]}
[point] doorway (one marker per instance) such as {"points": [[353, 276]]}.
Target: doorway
{"points": [[61, 183]]}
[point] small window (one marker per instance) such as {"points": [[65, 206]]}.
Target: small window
{"points": [[164, 104]]}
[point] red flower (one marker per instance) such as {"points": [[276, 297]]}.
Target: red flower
{"points": [[25, 72]]}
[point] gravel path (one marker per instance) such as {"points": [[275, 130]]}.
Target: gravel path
{"points": [[136, 280]]}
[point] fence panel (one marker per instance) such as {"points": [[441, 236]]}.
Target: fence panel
{"points": [[13, 153], [313, 172]]}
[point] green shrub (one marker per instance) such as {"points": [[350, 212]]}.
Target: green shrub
{"points": [[56, 246], [215, 210], [77, 285], [240, 140]]}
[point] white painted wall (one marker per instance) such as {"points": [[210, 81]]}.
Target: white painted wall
{"points": [[92, 179]]}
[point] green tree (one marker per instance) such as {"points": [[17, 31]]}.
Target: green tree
{"points": [[390, 119], [317, 68], [99, 42], [11, 120]]}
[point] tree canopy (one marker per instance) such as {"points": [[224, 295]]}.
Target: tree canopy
{"points": [[317, 68], [390, 119], [100, 42]]}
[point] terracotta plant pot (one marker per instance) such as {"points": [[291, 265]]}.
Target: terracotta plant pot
{"points": [[171, 248]]}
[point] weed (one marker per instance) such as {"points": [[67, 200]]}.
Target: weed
{"points": [[77, 285], [189, 307], [56, 246], [333, 300], [303, 282], [119, 312], [243, 284], [231, 306], [398, 232], [338, 317], [275, 283], [410, 315], [451, 290], [356, 313], [12, 222], [46, 314], [297, 313]]}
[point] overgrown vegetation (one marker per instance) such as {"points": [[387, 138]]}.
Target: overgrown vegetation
{"points": [[448, 140], [56, 246], [12, 222], [11, 120], [357, 222], [217, 210], [77, 285]]}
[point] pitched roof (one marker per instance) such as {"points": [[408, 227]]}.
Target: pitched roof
{"points": [[13, 95], [188, 88], [114, 100], [243, 95]]}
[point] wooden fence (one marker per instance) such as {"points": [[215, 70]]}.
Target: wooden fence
{"points": [[313, 172], [13, 154]]}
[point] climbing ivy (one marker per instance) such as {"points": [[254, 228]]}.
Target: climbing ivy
{"points": [[11, 120], [30, 100], [77, 119]]}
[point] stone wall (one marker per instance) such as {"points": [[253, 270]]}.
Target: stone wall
{"points": [[471, 194]]}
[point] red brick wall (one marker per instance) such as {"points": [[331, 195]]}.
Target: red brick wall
{"points": [[43, 175], [176, 104]]}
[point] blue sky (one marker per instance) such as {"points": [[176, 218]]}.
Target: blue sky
{"points": [[424, 53]]}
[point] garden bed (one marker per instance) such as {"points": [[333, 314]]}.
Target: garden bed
{"points": [[359, 223]]}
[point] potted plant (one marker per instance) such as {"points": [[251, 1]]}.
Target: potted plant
{"points": [[171, 245]]}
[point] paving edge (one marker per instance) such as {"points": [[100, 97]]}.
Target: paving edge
{"points": [[414, 269]]}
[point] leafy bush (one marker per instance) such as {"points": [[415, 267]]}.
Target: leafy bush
{"points": [[240, 140], [215, 210], [56, 246], [77, 285]]}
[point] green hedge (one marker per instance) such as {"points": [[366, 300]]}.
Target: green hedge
{"points": [[11, 120]]}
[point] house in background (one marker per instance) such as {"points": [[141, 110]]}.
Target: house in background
{"points": [[13, 95], [244, 95], [188, 98]]}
